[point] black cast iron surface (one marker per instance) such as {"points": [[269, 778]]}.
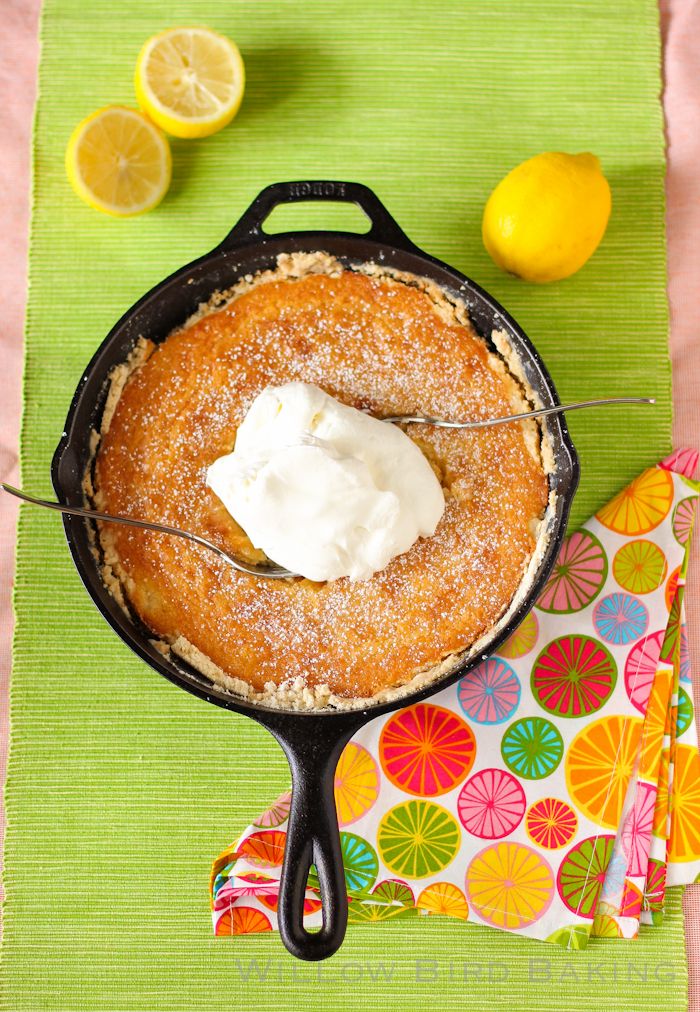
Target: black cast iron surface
{"points": [[312, 741]]}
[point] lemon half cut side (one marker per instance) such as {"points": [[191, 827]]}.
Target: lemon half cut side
{"points": [[118, 162], [190, 81]]}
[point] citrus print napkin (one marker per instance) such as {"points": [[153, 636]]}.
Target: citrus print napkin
{"points": [[554, 790]]}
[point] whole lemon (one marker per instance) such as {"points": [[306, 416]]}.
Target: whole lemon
{"points": [[546, 217]]}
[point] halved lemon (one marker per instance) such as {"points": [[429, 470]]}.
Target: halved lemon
{"points": [[118, 162], [190, 81]]}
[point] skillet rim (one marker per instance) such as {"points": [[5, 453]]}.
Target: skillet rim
{"points": [[248, 256]]}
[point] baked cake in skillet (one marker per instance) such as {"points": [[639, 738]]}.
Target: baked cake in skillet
{"points": [[389, 344]]}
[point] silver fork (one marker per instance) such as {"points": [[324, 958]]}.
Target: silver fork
{"points": [[270, 570], [539, 413]]}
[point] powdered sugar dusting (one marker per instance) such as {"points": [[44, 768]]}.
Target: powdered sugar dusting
{"points": [[372, 342]]}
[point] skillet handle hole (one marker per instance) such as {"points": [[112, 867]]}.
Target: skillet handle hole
{"points": [[332, 216]]}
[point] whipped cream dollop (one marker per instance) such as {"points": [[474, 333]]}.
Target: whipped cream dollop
{"points": [[324, 489]]}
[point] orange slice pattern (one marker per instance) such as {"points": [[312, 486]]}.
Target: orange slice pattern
{"points": [[242, 921], [598, 766], [641, 506], [265, 849], [660, 826], [444, 898], [655, 721], [684, 839], [551, 823], [672, 586]]}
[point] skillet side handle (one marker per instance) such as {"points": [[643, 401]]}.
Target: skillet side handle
{"points": [[312, 835], [249, 227]]}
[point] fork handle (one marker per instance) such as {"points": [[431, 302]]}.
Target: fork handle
{"points": [[272, 571], [538, 413]]}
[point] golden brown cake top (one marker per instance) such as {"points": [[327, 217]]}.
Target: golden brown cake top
{"points": [[377, 344]]}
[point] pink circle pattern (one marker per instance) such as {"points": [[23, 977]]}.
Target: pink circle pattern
{"points": [[573, 676], [683, 461], [491, 804], [685, 656], [490, 693], [640, 668], [578, 575], [620, 618], [683, 517], [636, 832]]}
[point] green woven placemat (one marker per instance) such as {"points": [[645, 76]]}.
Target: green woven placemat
{"points": [[121, 788]]}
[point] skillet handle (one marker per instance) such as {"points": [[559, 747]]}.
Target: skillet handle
{"points": [[248, 229], [312, 834]]}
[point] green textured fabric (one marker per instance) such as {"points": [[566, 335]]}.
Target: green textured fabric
{"points": [[122, 788]]}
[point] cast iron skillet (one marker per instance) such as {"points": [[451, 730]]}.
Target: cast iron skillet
{"points": [[312, 741]]}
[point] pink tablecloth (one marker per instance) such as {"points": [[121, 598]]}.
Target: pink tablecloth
{"points": [[681, 31]]}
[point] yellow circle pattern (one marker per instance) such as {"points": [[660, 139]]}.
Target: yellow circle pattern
{"points": [[641, 506], [509, 885], [356, 783], [444, 898]]}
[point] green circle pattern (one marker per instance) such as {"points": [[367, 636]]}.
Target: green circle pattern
{"points": [[672, 639], [574, 936], [360, 862], [366, 912], [391, 891], [683, 516], [582, 872], [685, 712], [573, 676], [532, 748], [418, 838]]}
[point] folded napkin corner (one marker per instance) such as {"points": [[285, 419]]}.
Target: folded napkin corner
{"points": [[554, 790]]}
